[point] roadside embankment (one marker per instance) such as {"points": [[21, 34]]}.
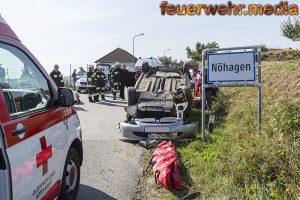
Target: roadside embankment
{"points": [[237, 162]]}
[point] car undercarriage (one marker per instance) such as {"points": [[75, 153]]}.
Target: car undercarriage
{"points": [[159, 106]]}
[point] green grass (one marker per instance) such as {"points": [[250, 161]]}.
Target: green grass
{"points": [[237, 162], [288, 65], [281, 55]]}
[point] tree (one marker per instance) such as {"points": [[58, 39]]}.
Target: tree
{"points": [[196, 55], [168, 61], [291, 29], [264, 48], [165, 60]]}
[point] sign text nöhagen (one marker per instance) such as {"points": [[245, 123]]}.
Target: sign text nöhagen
{"points": [[231, 67]]}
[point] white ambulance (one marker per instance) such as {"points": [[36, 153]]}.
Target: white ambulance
{"points": [[40, 134]]}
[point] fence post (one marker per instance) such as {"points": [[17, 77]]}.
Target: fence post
{"points": [[259, 88], [203, 95]]}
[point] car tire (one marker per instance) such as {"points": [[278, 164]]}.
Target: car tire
{"points": [[188, 94], [71, 176], [185, 69], [131, 96], [145, 67], [189, 97]]}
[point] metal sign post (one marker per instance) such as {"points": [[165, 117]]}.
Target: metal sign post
{"points": [[231, 67]]}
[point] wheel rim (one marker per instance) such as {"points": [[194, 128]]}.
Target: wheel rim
{"points": [[71, 176]]}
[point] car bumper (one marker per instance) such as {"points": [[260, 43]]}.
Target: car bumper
{"points": [[84, 88], [81, 88], [166, 128]]}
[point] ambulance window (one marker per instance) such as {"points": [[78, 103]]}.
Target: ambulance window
{"points": [[24, 86]]}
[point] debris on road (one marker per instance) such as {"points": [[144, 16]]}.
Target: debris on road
{"points": [[165, 166]]}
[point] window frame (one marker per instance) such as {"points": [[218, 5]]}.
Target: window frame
{"points": [[49, 85]]}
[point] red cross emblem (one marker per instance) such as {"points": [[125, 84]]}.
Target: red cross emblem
{"points": [[43, 157]]}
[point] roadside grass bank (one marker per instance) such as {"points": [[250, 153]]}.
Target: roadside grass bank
{"points": [[236, 162], [281, 55]]}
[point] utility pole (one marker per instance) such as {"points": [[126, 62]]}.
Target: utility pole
{"points": [[7, 77], [166, 51], [133, 42], [71, 75]]}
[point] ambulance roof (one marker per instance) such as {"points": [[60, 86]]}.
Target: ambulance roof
{"points": [[5, 30]]}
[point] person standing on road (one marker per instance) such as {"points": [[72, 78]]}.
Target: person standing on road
{"points": [[99, 82], [91, 84], [81, 72], [2, 74], [115, 74], [74, 74], [57, 77]]}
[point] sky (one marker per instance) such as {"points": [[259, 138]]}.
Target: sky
{"points": [[78, 32]]}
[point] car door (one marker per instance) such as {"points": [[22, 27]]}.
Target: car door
{"points": [[35, 134], [5, 180]]}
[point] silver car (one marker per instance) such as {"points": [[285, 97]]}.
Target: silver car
{"points": [[159, 106], [81, 84]]}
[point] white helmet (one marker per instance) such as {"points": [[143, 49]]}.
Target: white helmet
{"points": [[117, 64], [91, 66]]}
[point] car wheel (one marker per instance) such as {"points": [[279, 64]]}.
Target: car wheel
{"points": [[145, 67], [189, 97], [188, 94], [131, 96], [71, 176], [186, 67]]}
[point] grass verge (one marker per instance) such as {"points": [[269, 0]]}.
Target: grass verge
{"points": [[238, 163]]}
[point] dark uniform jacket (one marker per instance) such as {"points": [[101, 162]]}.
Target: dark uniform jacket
{"points": [[2, 74], [74, 76], [57, 78], [99, 78], [115, 75]]}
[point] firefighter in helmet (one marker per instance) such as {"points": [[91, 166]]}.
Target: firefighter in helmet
{"points": [[99, 78], [91, 83], [115, 76]]}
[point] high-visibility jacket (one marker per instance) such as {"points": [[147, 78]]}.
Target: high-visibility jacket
{"points": [[99, 78], [90, 78], [115, 75]]}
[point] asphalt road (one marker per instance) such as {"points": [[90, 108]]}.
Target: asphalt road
{"points": [[111, 168]]}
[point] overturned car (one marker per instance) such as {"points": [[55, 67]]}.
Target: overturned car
{"points": [[159, 105]]}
